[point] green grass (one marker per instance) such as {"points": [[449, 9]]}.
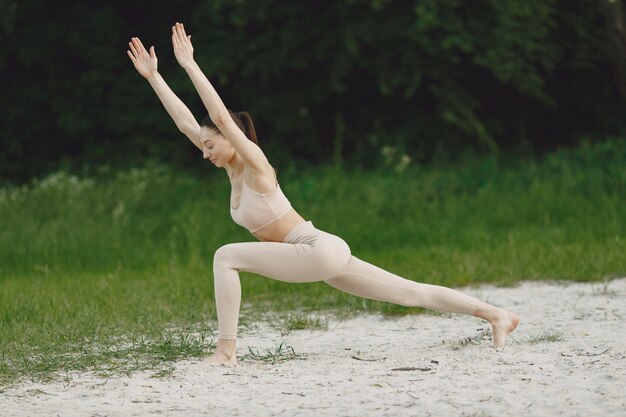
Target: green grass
{"points": [[546, 336], [299, 321], [281, 353], [114, 271]]}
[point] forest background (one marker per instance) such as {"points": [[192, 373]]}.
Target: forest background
{"points": [[327, 82]]}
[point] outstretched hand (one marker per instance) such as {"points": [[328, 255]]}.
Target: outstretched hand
{"points": [[146, 64], [183, 50]]}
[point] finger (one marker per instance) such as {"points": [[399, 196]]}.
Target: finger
{"points": [[130, 54], [179, 31], [182, 29], [152, 54], [175, 41], [138, 50], [141, 45], [174, 32], [132, 48]]}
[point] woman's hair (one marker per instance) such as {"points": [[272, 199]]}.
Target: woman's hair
{"points": [[241, 119]]}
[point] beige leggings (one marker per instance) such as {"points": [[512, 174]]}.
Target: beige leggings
{"points": [[308, 254]]}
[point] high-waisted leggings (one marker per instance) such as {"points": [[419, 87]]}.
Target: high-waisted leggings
{"points": [[308, 254]]}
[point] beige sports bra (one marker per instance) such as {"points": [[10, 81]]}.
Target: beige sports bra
{"points": [[257, 210]]}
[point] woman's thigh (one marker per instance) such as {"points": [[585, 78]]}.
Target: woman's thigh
{"points": [[319, 256]]}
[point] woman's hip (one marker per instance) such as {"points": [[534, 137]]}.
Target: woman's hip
{"points": [[328, 252]]}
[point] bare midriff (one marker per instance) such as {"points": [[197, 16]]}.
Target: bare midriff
{"points": [[265, 183], [275, 232]]}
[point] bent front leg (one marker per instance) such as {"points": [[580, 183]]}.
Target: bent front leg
{"points": [[315, 260]]}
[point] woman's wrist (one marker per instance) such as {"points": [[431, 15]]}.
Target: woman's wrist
{"points": [[153, 76], [192, 66]]}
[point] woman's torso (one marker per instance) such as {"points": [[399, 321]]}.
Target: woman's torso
{"points": [[263, 182]]}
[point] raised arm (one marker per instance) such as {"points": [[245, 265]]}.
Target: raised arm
{"points": [[249, 151], [183, 50], [146, 65]]}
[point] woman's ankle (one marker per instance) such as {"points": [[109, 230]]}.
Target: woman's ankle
{"points": [[226, 347], [488, 312]]}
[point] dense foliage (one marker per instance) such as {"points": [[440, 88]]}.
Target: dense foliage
{"points": [[326, 81]]}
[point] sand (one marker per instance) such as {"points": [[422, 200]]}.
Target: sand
{"points": [[567, 357]]}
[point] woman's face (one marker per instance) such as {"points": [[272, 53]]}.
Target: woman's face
{"points": [[215, 147]]}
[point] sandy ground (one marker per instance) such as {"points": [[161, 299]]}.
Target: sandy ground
{"points": [[436, 365]]}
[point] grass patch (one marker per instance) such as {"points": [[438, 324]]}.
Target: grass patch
{"points": [[545, 337], [300, 321], [281, 353], [108, 357]]}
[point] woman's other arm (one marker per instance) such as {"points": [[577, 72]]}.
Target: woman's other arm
{"points": [[146, 65], [249, 151], [183, 50]]}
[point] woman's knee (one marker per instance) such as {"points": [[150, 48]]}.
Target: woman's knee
{"points": [[224, 253], [337, 257]]}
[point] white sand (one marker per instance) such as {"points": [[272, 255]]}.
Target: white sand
{"points": [[584, 374]]}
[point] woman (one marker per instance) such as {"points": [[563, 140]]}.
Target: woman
{"points": [[291, 249]]}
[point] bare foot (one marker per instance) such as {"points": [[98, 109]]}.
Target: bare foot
{"points": [[502, 324], [225, 353], [219, 358]]}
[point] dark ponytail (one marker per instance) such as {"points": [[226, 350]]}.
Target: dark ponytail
{"points": [[243, 120], [245, 117]]}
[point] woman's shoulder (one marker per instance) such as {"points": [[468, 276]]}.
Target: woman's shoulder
{"points": [[268, 172], [262, 181]]}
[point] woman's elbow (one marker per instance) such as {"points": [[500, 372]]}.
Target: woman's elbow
{"points": [[220, 119], [184, 128], [189, 130]]}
